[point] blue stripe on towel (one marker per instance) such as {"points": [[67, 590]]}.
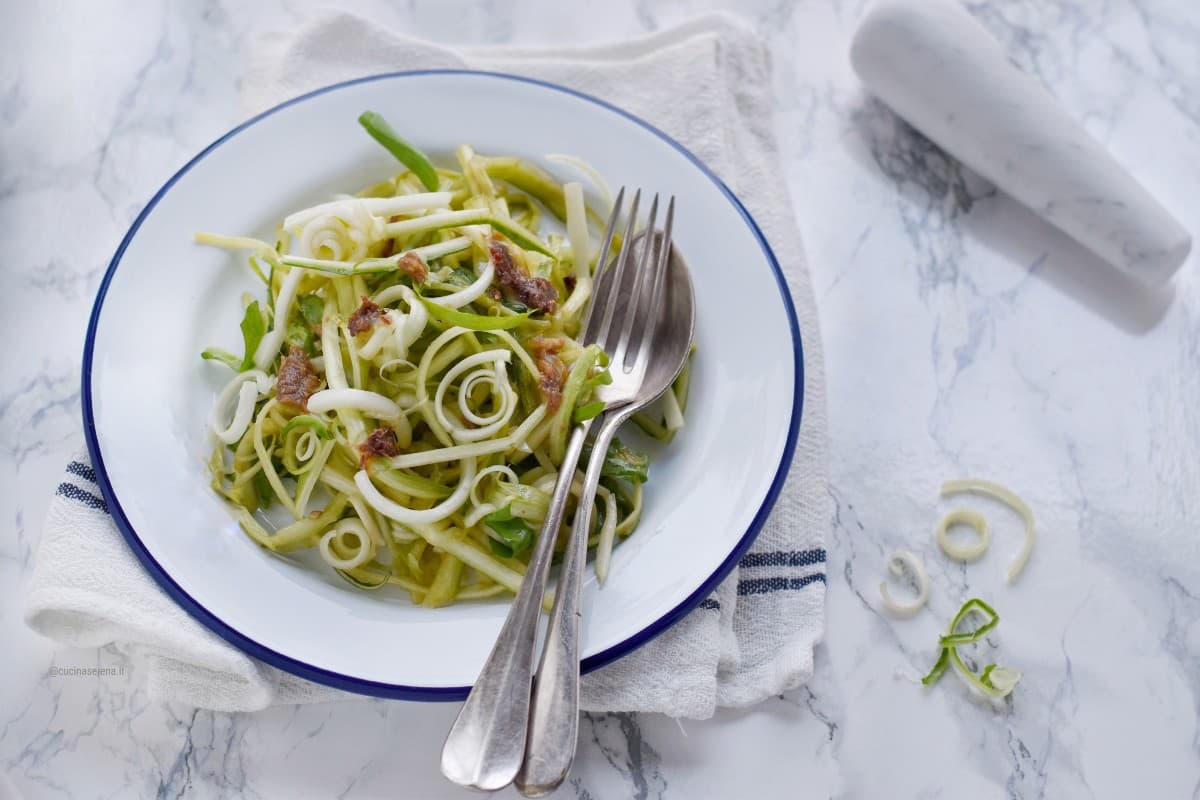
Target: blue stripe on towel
{"points": [[794, 558], [767, 585], [82, 470], [73, 492], [778, 558]]}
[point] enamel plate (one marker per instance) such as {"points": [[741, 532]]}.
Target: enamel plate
{"points": [[147, 394]]}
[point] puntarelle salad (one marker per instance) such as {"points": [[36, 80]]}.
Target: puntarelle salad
{"points": [[410, 380]]}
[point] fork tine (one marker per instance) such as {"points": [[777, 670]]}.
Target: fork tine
{"points": [[610, 231], [657, 277], [597, 331], [602, 258], [639, 286]]}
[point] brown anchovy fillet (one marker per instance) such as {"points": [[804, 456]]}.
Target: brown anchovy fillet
{"points": [[411, 265], [536, 293], [365, 317], [381, 442], [297, 380], [553, 372]]}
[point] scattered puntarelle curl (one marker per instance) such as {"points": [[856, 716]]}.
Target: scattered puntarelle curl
{"points": [[994, 681], [1009, 498], [900, 562], [964, 552]]}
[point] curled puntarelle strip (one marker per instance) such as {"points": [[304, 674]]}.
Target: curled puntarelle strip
{"points": [[899, 563], [1006, 496]]}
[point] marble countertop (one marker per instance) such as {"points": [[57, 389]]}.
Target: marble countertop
{"points": [[962, 336]]}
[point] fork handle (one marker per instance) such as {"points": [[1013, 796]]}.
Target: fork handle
{"points": [[554, 715], [486, 745]]}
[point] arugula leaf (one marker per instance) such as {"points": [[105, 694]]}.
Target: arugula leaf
{"points": [[312, 309], [224, 356], [263, 487], [623, 463], [517, 535], [513, 305], [461, 276], [300, 334], [626, 463], [253, 330]]}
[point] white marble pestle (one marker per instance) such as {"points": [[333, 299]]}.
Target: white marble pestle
{"points": [[945, 75]]}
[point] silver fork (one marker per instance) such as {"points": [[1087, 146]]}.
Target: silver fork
{"points": [[554, 717], [487, 743]]}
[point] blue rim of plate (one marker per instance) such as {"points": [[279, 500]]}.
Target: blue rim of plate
{"points": [[398, 691]]}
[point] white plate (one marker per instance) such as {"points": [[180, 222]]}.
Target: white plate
{"points": [[147, 394]]}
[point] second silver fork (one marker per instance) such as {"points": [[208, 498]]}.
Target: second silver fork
{"points": [[554, 715], [487, 743]]}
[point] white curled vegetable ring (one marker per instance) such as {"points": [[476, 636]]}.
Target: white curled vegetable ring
{"points": [[246, 387], [898, 563]]}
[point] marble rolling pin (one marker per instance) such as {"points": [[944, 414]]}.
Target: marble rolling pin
{"points": [[941, 71]]}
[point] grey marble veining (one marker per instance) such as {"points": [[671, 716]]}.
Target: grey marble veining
{"points": [[962, 336]]}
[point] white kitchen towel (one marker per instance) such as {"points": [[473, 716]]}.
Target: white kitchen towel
{"points": [[707, 84]]}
